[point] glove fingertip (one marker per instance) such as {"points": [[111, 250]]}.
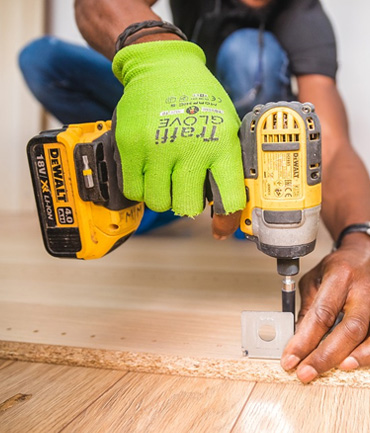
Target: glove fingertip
{"points": [[228, 192], [133, 190], [189, 211]]}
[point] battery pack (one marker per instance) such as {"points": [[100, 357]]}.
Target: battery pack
{"points": [[81, 211]]}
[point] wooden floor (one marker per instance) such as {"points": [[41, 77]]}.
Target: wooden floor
{"points": [[160, 318], [52, 398]]}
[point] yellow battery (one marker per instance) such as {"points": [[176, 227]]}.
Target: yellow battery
{"points": [[76, 217]]}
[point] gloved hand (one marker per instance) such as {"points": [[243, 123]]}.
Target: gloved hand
{"points": [[173, 123]]}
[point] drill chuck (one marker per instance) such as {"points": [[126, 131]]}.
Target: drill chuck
{"points": [[287, 266]]}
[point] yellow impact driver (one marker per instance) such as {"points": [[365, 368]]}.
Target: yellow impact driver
{"points": [[82, 212], [281, 145]]}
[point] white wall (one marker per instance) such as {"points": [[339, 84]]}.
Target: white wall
{"points": [[351, 25], [19, 112]]}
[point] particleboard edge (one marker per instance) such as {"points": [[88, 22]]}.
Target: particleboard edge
{"points": [[232, 369]]}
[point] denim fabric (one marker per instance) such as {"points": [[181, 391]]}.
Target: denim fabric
{"points": [[252, 77], [76, 84]]}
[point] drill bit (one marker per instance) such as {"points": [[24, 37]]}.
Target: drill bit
{"points": [[288, 294], [87, 172]]}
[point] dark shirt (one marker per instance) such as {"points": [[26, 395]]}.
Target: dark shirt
{"points": [[301, 27]]}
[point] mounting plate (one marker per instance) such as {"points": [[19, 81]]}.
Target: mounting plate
{"points": [[256, 347]]}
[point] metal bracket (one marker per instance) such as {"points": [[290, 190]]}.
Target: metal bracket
{"points": [[256, 347]]}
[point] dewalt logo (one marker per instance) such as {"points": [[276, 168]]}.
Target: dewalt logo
{"points": [[296, 165], [58, 175]]}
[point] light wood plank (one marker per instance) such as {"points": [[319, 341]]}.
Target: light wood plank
{"points": [[53, 395], [305, 409], [4, 364], [153, 403]]}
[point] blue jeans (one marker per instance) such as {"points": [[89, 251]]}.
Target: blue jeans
{"points": [[252, 74], [76, 84]]}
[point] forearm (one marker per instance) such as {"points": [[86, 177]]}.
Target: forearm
{"points": [[346, 192], [346, 184], [101, 22]]}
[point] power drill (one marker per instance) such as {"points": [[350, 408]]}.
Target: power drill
{"points": [[82, 212], [84, 215], [281, 147]]}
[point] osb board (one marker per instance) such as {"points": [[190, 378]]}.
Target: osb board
{"points": [[168, 302]]}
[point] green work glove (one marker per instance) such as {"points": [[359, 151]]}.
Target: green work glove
{"points": [[174, 123]]}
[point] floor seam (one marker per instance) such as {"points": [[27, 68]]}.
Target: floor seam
{"points": [[242, 410], [93, 402]]}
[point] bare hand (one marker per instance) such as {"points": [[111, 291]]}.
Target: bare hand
{"points": [[340, 282]]}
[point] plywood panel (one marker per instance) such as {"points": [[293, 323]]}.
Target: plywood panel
{"points": [[305, 409], [47, 397], [176, 293], [174, 333], [153, 403], [169, 302]]}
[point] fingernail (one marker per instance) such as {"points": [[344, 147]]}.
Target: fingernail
{"points": [[349, 363], [289, 362], [219, 237], [306, 374]]}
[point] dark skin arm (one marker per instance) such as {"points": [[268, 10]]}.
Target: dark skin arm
{"points": [[100, 23], [341, 281]]}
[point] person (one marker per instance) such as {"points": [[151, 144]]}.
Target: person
{"points": [[253, 47]]}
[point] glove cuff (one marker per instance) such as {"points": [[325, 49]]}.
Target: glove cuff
{"points": [[134, 59]]}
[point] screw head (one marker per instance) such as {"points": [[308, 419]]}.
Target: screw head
{"points": [[308, 108]]}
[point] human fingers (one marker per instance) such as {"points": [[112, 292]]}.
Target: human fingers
{"points": [[224, 225], [341, 342], [360, 357], [309, 285], [317, 321]]}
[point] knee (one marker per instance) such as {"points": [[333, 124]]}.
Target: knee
{"points": [[37, 61], [241, 52], [274, 58]]}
